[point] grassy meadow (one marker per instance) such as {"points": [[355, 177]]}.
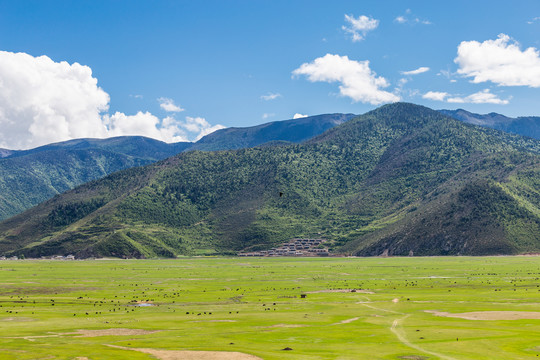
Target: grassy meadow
{"points": [[353, 308]]}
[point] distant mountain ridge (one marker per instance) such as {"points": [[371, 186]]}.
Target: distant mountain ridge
{"points": [[399, 180], [525, 125], [28, 177], [6, 153], [135, 146], [293, 131]]}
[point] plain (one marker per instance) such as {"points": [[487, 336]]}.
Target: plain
{"points": [[321, 308]]}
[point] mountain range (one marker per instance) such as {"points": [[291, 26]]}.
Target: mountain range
{"points": [[402, 179], [29, 177], [523, 125]]}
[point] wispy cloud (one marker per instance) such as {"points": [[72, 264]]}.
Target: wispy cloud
{"points": [[270, 96], [535, 19], [420, 70], [169, 105], [482, 97], [268, 115], [435, 95], [359, 27], [410, 18]]}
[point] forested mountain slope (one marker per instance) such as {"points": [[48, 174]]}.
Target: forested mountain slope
{"points": [[29, 177], [400, 179]]}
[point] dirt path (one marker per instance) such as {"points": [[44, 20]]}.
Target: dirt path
{"points": [[346, 321], [400, 334], [489, 315], [191, 355]]}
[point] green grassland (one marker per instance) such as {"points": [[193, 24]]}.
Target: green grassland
{"points": [[254, 306]]}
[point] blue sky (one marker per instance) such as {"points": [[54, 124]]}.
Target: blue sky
{"points": [[176, 70]]}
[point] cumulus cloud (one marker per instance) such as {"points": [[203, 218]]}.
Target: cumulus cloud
{"points": [[169, 105], [168, 129], [500, 61], [435, 95], [481, 97], [359, 27], [270, 96], [200, 126], [420, 70], [43, 101], [299, 116], [356, 79]]}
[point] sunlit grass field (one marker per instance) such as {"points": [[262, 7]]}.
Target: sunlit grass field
{"points": [[352, 308]]}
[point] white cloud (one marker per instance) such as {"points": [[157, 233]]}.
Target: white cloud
{"points": [[535, 19], [420, 70], [42, 101], [359, 27], [200, 126], [136, 96], [169, 129], [481, 97], [299, 116], [120, 124], [500, 61], [267, 115], [356, 79], [270, 96], [404, 19], [169, 105], [435, 95]]}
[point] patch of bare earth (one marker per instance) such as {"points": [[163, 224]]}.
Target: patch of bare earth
{"points": [[192, 355], [340, 291], [490, 315], [212, 321], [284, 326], [346, 321], [111, 332], [17, 319]]}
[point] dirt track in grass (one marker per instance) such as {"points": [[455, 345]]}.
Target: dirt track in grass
{"points": [[192, 355], [489, 315]]}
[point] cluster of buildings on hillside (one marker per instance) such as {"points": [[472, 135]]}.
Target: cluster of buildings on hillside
{"points": [[295, 247]]}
